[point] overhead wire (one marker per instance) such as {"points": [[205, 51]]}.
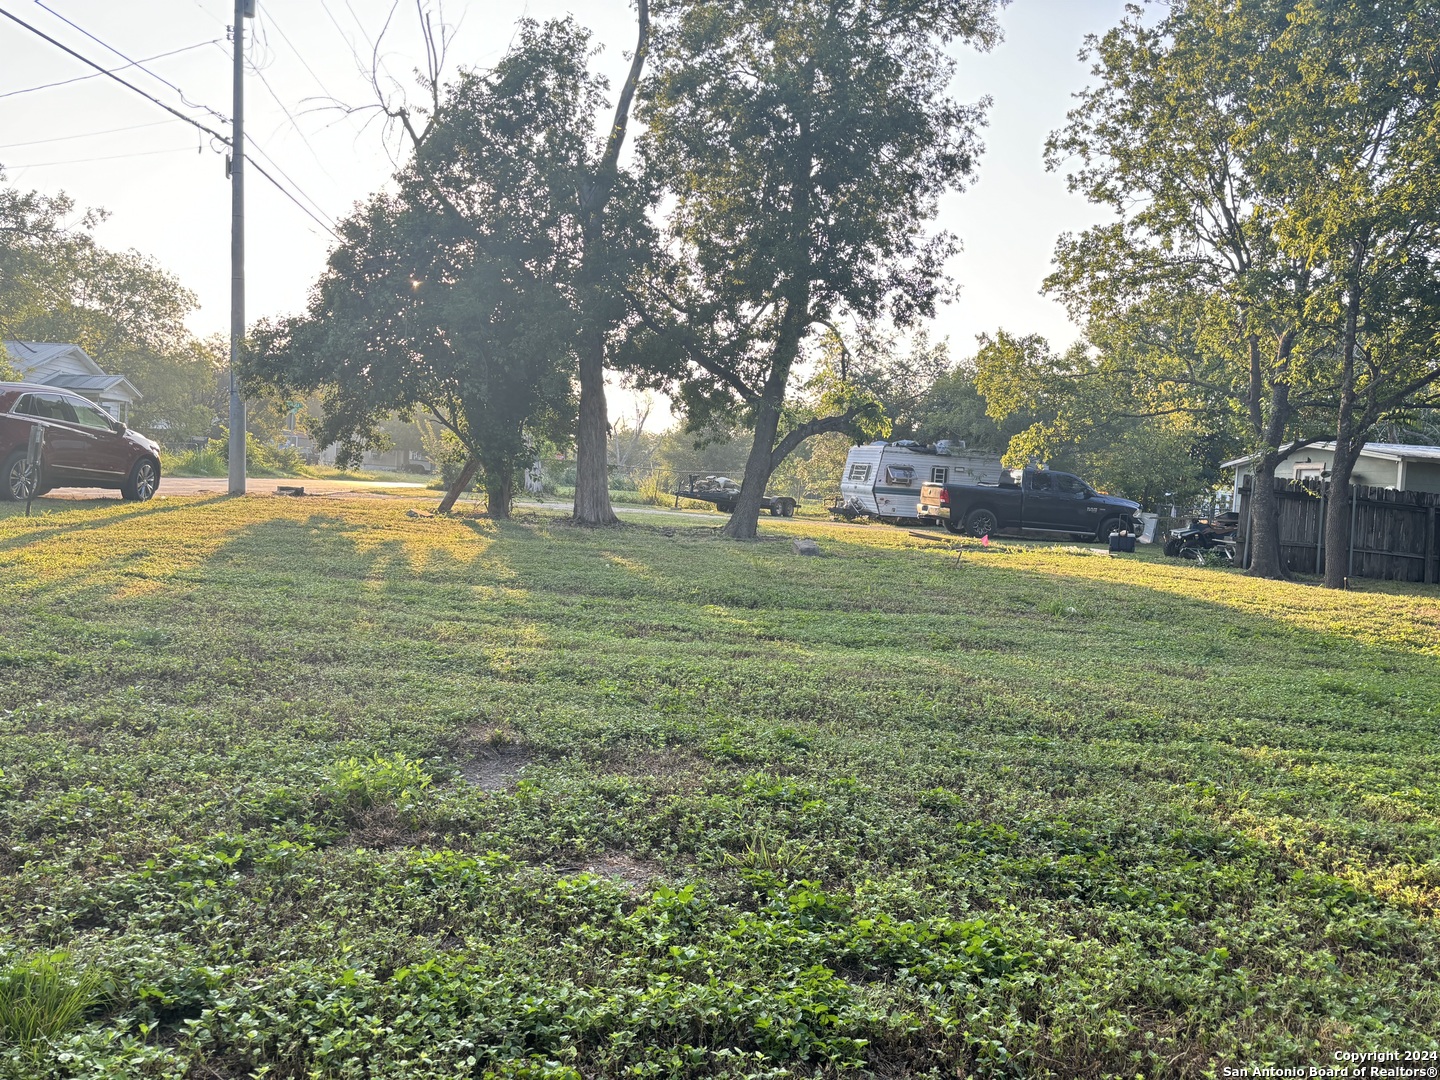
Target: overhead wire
{"points": [[268, 157], [85, 135], [299, 55], [223, 139], [137, 63], [110, 71], [106, 157]]}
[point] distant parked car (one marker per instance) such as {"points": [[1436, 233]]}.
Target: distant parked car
{"points": [[83, 445]]}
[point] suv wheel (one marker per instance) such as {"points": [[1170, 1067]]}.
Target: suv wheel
{"points": [[17, 483], [144, 478]]}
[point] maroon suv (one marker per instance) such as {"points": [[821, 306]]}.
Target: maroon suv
{"points": [[82, 445]]}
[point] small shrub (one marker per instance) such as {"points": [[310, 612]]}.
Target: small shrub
{"points": [[655, 490], [358, 784], [760, 856], [41, 998]]}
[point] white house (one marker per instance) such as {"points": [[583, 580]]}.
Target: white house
{"points": [[69, 367], [1382, 465]]}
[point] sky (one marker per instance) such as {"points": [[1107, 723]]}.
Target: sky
{"points": [[307, 118]]}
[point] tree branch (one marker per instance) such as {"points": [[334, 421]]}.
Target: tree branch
{"points": [[819, 426]]}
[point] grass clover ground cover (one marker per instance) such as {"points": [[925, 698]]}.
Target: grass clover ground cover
{"points": [[308, 788]]}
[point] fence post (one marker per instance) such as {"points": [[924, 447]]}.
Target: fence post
{"points": [[1320, 534], [1430, 546]]}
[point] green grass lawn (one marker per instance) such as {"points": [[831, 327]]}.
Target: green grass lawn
{"points": [[315, 788]]}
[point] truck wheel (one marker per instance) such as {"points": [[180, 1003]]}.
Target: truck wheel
{"points": [[1108, 526], [981, 522], [787, 507]]}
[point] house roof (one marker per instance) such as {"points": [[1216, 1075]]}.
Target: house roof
{"points": [[1384, 451], [93, 383], [32, 357], [29, 355]]}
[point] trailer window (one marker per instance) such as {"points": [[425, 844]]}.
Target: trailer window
{"points": [[939, 474], [900, 475], [859, 473]]}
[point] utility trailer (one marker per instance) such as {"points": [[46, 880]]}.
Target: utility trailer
{"points": [[725, 493]]}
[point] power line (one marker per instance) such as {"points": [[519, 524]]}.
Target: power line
{"points": [[84, 135], [137, 63], [287, 176], [122, 67], [173, 112], [128, 85], [303, 139], [108, 157], [298, 130], [298, 55], [213, 112]]}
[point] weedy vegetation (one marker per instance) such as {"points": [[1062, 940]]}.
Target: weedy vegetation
{"points": [[313, 788]]}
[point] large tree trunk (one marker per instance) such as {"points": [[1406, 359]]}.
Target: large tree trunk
{"points": [[592, 480], [1264, 537], [592, 475], [499, 491], [461, 485], [745, 521], [1348, 442], [1337, 520]]}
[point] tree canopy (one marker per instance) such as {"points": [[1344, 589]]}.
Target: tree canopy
{"points": [[58, 283], [1273, 249], [409, 319], [803, 146], [528, 132]]}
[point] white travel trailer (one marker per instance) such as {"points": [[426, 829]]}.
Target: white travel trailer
{"points": [[882, 479]]}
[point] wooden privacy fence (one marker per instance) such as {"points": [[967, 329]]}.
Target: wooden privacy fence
{"points": [[1392, 533]]}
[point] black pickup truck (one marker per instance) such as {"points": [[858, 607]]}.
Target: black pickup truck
{"points": [[1032, 500]]}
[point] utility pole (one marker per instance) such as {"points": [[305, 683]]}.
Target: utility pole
{"points": [[244, 9]]}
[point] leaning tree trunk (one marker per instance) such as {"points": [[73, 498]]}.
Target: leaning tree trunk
{"points": [[1264, 543], [461, 485], [592, 479], [745, 521]]}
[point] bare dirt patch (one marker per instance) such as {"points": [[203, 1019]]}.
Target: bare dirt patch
{"points": [[632, 874], [490, 758], [380, 827]]}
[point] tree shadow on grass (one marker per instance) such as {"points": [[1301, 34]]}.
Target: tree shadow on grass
{"points": [[44, 526]]}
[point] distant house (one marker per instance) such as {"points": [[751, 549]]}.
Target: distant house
{"points": [[69, 367], [1382, 465]]}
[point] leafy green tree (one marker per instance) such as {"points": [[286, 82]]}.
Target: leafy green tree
{"points": [[409, 319], [58, 284], [1271, 164], [900, 372], [519, 139], [1355, 87], [1079, 410], [804, 145], [1193, 271], [39, 236], [952, 407]]}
